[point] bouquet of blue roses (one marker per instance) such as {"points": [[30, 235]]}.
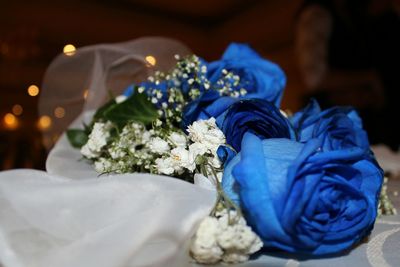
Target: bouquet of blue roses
{"points": [[306, 183]]}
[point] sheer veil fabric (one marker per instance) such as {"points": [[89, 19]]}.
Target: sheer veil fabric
{"points": [[82, 80]]}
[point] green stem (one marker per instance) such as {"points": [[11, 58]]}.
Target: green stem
{"points": [[223, 198]]}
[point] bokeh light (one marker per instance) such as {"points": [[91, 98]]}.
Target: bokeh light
{"points": [[10, 121], [59, 112], [69, 50], [44, 122], [17, 109], [151, 60], [33, 90], [85, 94]]}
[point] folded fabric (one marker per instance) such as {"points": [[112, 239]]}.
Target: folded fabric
{"points": [[112, 221]]}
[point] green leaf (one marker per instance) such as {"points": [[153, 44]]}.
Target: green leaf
{"points": [[136, 108], [77, 137], [100, 112]]}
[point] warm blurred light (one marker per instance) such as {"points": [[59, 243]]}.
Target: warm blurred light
{"points": [[44, 122], [10, 121], [69, 50], [151, 60], [4, 48], [59, 112], [85, 94], [17, 109], [33, 90]]}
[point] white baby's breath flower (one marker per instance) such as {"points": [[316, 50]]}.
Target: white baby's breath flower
{"points": [[230, 234], [158, 123], [146, 137], [233, 257], [177, 139], [182, 158], [206, 132], [120, 99], [158, 145], [197, 131], [97, 140], [116, 152], [87, 152], [204, 247], [236, 236], [132, 148], [102, 165], [165, 166], [198, 149]]}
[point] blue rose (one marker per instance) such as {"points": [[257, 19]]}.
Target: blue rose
{"points": [[257, 116], [208, 104], [338, 127], [260, 77], [300, 199]]}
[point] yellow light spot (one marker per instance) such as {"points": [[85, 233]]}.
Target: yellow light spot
{"points": [[85, 94], [17, 109], [59, 112], [69, 50], [151, 60], [10, 121], [33, 90], [44, 122]]}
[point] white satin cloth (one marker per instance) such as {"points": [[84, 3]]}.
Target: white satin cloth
{"points": [[113, 221]]}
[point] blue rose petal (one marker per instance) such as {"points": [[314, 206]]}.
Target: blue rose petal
{"points": [[260, 77]]}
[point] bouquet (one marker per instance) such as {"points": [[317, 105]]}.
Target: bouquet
{"points": [[306, 183]]}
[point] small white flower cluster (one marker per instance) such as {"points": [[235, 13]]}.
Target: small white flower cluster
{"points": [[226, 238], [230, 84], [122, 154], [97, 140], [205, 139], [159, 150]]}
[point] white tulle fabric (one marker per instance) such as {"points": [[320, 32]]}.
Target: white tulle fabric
{"points": [[82, 81]]}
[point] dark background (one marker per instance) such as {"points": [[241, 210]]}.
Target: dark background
{"points": [[32, 33]]}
